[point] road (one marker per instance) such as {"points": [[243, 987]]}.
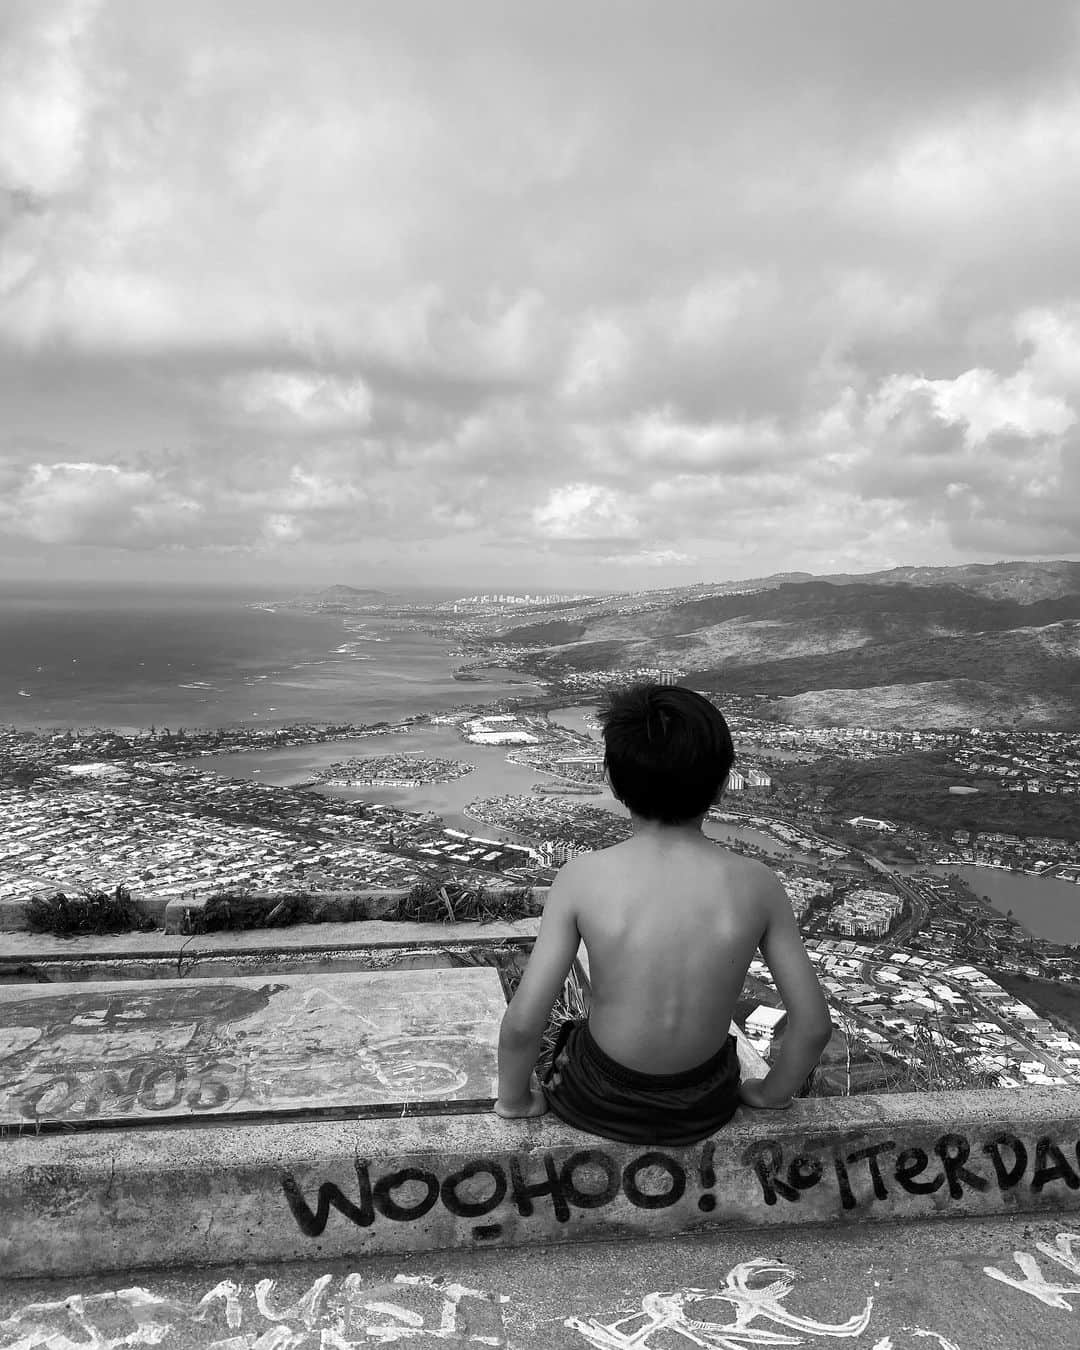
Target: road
{"points": [[907, 928]]}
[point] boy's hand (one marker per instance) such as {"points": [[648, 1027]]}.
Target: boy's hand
{"points": [[751, 1093], [533, 1104]]}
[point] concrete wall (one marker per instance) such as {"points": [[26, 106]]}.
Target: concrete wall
{"points": [[112, 1200]]}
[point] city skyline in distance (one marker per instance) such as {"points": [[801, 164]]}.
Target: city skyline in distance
{"points": [[610, 298]]}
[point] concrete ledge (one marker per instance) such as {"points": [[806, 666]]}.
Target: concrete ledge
{"points": [[300, 940], [109, 1201], [316, 948], [13, 915]]}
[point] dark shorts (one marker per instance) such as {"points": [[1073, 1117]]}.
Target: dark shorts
{"points": [[593, 1092]]}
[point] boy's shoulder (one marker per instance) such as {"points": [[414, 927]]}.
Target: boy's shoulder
{"points": [[591, 863], [582, 873], [601, 859], [748, 875]]}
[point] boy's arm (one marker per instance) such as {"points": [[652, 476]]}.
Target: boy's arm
{"points": [[808, 1025], [524, 1021]]}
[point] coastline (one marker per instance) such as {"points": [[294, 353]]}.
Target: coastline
{"points": [[228, 663]]}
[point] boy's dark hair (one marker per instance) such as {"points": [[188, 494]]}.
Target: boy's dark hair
{"points": [[668, 751]]}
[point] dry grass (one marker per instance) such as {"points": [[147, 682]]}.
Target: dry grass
{"points": [[932, 1066], [438, 901], [572, 1003], [238, 911], [429, 901]]}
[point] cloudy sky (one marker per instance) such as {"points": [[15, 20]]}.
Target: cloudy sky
{"points": [[574, 293]]}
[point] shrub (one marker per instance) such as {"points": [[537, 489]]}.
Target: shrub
{"points": [[434, 901], [92, 912]]}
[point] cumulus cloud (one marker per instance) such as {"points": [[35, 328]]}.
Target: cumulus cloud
{"points": [[46, 96], [989, 456], [584, 511], [984, 404], [309, 400], [772, 294], [650, 557], [95, 503]]}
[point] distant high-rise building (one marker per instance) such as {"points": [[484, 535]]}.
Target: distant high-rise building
{"points": [[555, 852]]}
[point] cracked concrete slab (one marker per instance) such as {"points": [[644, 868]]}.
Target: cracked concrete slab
{"points": [[140, 1050]]}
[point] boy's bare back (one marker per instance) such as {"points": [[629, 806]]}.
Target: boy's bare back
{"points": [[670, 926]]}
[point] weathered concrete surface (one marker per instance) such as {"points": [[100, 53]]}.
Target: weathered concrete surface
{"points": [[949, 1286], [28, 958], [307, 937], [163, 1049], [119, 1199], [751, 1064], [12, 915]]}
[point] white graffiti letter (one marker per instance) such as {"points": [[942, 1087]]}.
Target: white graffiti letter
{"points": [[452, 1295], [666, 1313], [307, 1307], [920, 1334], [1034, 1282], [230, 1292]]}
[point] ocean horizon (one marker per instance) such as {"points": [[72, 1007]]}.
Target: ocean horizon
{"points": [[128, 657]]}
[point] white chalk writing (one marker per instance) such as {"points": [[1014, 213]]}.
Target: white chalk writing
{"points": [[350, 1315], [919, 1334], [1065, 1252], [680, 1314]]}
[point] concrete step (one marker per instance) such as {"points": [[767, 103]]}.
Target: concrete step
{"points": [[1007, 1283]]}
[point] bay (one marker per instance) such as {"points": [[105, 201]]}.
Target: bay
{"points": [[492, 775], [1046, 907]]}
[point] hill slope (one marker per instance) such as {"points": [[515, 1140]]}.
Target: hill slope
{"points": [[885, 652]]}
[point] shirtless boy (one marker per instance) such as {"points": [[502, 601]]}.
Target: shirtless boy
{"points": [[671, 923]]}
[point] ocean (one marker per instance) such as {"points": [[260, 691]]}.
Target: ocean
{"points": [[126, 657]]}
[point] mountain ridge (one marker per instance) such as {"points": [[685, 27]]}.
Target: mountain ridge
{"points": [[977, 652]]}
